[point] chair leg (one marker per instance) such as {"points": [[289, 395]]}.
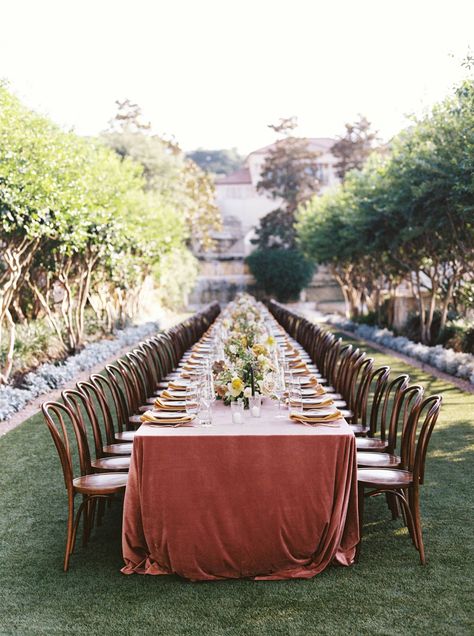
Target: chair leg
{"points": [[407, 493], [86, 531], [100, 511], [415, 511], [70, 533], [360, 500], [392, 504]]}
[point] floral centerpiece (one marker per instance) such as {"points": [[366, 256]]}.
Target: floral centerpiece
{"points": [[249, 353]]}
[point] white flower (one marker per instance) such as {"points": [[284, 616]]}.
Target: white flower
{"points": [[263, 360], [233, 349], [247, 391], [268, 385]]}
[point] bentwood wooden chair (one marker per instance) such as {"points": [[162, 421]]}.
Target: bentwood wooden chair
{"points": [[82, 407], [103, 422], [114, 396], [382, 416], [64, 426], [404, 482], [407, 401], [371, 387]]}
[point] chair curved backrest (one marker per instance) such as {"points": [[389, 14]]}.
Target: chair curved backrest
{"points": [[100, 413], [114, 396], [82, 408], [59, 418], [416, 437], [390, 400], [408, 401], [375, 389]]}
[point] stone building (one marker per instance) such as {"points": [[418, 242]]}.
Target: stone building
{"points": [[223, 272]]}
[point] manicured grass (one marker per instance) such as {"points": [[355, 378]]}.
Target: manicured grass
{"points": [[388, 592]]}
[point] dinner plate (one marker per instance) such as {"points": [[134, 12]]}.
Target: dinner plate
{"points": [[167, 415], [317, 412], [317, 399], [175, 393]]}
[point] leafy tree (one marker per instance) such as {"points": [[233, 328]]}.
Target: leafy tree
{"points": [[289, 174], [354, 147], [406, 216], [177, 182], [216, 162], [290, 170], [282, 273]]}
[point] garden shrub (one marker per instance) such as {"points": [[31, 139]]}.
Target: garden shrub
{"points": [[282, 273]]}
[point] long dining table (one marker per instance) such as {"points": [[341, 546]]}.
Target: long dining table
{"points": [[266, 499]]}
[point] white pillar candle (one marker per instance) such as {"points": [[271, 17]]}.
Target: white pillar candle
{"points": [[255, 411], [237, 418]]}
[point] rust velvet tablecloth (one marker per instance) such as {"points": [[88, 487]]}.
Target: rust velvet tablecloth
{"points": [[269, 499]]}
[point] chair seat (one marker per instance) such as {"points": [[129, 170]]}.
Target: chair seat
{"points": [[340, 404], [135, 419], [370, 444], [145, 407], [125, 436], [161, 385], [380, 477], [117, 449], [118, 463], [377, 460], [330, 392], [359, 429], [100, 483], [151, 400], [347, 413]]}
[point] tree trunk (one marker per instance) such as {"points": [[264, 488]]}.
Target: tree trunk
{"points": [[7, 369]]}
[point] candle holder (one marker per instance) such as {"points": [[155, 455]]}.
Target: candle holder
{"points": [[255, 405], [237, 411]]}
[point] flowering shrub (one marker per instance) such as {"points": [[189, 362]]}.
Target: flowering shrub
{"points": [[53, 376], [460, 365]]}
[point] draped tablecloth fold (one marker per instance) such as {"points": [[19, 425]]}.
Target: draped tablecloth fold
{"points": [[269, 499]]}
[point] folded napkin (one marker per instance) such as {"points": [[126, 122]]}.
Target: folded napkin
{"points": [[178, 386], [312, 380], [320, 416], [165, 419], [316, 402], [171, 405], [192, 365], [298, 364], [169, 394]]}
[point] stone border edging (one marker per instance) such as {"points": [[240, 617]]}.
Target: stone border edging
{"points": [[33, 407], [464, 385]]}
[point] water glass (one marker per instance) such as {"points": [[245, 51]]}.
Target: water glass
{"points": [[191, 401], [296, 398]]}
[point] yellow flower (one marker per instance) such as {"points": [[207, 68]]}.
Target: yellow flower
{"points": [[259, 349], [235, 387], [270, 341], [237, 384], [244, 341]]}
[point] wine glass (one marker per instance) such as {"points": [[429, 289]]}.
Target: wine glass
{"points": [[191, 401], [295, 397], [207, 398], [279, 390]]}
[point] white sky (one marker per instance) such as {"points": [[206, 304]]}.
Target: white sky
{"points": [[213, 73]]}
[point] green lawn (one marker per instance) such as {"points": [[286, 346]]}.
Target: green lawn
{"points": [[388, 592]]}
